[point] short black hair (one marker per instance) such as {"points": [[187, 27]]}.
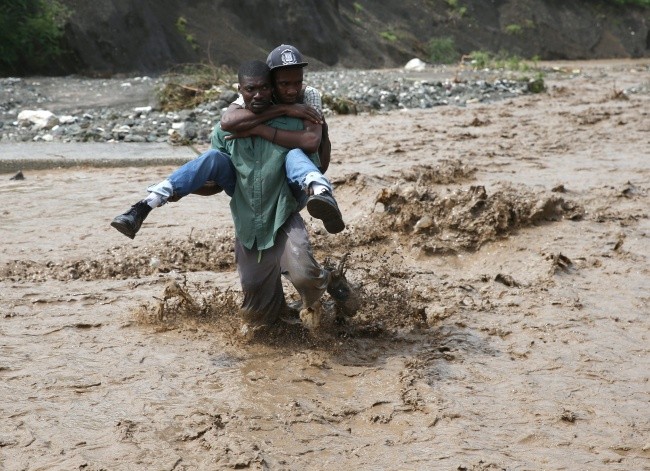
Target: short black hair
{"points": [[253, 69]]}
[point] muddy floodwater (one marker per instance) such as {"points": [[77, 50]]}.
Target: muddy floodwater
{"points": [[501, 254]]}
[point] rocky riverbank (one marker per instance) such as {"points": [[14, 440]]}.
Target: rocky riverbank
{"points": [[76, 109]]}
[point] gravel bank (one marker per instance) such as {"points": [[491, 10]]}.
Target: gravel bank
{"points": [[75, 109]]}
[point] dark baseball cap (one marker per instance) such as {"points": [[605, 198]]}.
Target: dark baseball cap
{"points": [[285, 56]]}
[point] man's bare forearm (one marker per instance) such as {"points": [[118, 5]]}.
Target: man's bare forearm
{"points": [[237, 119], [308, 140]]}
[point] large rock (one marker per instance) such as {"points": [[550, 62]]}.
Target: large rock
{"points": [[39, 119]]}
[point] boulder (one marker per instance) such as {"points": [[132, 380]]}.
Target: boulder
{"points": [[415, 65], [39, 119]]}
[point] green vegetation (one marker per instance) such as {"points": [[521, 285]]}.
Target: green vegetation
{"points": [[388, 36], [30, 34], [455, 6], [536, 85], [442, 51], [479, 59], [486, 60], [358, 10], [181, 27], [514, 29]]}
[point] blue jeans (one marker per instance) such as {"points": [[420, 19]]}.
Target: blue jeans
{"points": [[213, 165], [301, 172], [216, 166]]}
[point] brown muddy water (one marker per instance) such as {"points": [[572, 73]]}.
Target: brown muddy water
{"points": [[501, 253]]}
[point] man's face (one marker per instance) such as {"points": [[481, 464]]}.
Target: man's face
{"points": [[257, 93], [288, 84]]}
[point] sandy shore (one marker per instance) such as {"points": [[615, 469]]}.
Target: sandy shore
{"points": [[502, 255]]}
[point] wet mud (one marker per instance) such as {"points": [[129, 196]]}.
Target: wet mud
{"points": [[500, 253]]}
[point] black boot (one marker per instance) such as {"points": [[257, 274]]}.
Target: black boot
{"points": [[129, 223], [323, 206]]}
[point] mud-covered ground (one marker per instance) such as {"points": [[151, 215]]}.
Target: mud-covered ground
{"points": [[501, 253]]}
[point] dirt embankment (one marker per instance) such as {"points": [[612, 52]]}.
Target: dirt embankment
{"points": [[122, 36]]}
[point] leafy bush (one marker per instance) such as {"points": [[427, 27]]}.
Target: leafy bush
{"points": [[388, 36], [480, 59], [442, 51], [30, 34], [513, 29]]}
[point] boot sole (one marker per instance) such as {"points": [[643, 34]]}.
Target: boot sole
{"points": [[329, 214], [123, 228]]}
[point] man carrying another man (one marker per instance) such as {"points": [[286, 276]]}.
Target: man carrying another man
{"points": [[270, 236], [309, 185], [305, 176]]}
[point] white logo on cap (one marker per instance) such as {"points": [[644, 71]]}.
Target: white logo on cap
{"points": [[288, 57]]}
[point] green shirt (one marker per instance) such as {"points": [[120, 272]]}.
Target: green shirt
{"points": [[262, 201]]}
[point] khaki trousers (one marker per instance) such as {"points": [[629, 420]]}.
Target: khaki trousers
{"points": [[260, 277]]}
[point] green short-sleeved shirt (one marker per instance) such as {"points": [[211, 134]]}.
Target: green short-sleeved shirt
{"points": [[262, 201]]}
